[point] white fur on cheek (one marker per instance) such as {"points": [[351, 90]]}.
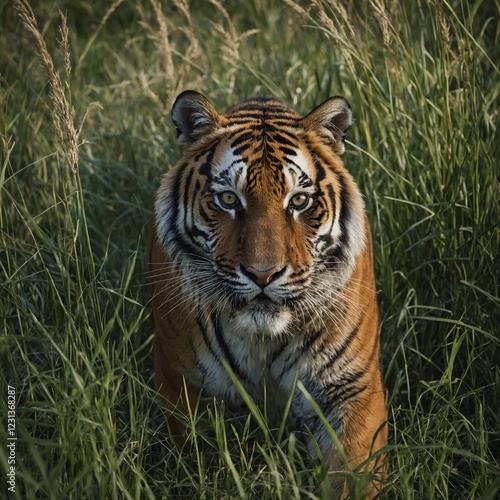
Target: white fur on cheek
{"points": [[163, 211]]}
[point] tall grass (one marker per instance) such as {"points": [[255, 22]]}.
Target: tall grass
{"points": [[423, 80]]}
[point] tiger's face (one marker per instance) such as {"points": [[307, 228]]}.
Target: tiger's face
{"points": [[260, 218]]}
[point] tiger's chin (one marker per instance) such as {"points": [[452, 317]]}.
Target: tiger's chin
{"points": [[261, 318]]}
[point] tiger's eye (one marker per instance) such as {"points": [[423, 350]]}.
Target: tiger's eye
{"points": [[228, 199], [299, 201]]}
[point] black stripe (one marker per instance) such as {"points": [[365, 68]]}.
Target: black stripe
{"points": [[341, 391], [282, 140], [335, 356], [331, 416], [186, 203], [206, 167], [190, 228], [320, 172], [304, 179], [345, 211], [296, 280], [175, 203], [261, 107], [292, 362], [206, 217], [312, 338], [331, 195], [178, 238], [334, 256], [206, 338], [347, 391], [246, 136], [277, 353], [219, 335]]}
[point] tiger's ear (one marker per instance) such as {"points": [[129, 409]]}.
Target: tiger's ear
{"points": [[194, 116], [331, 119]]}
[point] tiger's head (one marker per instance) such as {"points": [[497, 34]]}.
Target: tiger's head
{"points": [[259, 218]]}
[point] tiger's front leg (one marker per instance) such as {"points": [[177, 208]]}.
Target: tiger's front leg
{"points": [[360, 442], [360, 433]]}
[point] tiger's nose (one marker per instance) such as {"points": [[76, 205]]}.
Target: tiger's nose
{"points": [[262, 277]]}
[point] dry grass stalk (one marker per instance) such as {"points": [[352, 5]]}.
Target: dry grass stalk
{"points": [[381, 15], [174, 64], [443, 23], [297, 8], [145, 84], [64, 43], [193, 50], [341, 10], [180, 50], [233, 40], [339, 37], [164, 40], [110, 11], [62, 113]]}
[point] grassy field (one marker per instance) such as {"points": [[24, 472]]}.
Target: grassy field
{"points": [[85, 136]]}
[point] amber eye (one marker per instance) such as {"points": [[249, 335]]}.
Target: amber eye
{"points": [[227, 199], [299, 201]]}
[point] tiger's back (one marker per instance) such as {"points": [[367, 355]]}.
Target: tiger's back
{"points": [[260, 254]]}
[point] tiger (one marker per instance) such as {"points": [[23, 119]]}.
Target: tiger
{"points": [[260, 259]]}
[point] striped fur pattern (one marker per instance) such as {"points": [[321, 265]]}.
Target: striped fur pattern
{"points": [[260, 255]]}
